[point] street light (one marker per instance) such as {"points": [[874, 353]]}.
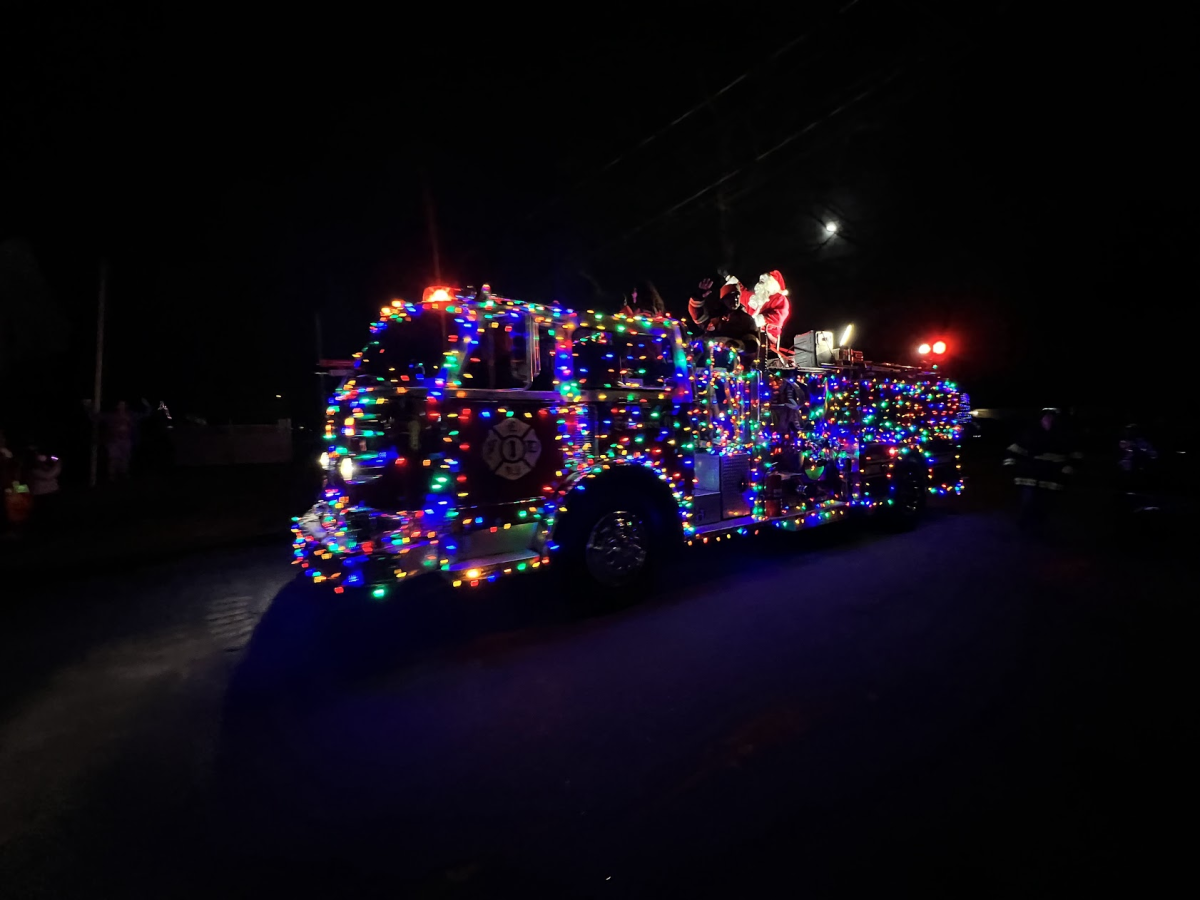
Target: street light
{"points": [[831, 228]]}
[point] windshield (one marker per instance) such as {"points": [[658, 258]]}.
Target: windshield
{"points": [[410, 350]]}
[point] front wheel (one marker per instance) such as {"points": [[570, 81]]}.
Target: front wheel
{"points": [[613, 545], [617, 548]]}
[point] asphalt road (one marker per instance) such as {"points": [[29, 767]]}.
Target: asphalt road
{"points": [[954, 710]]}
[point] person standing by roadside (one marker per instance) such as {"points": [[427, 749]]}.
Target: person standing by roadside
{"points": [[43, 472], [153, 448], [17, 501], [117, 431], [8, 463], [1042, 463]]}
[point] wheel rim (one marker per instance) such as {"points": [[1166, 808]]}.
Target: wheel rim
{"points": [[910, 501], [616, 547]]}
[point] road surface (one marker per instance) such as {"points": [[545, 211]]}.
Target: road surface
{"points": [[954, 710]]}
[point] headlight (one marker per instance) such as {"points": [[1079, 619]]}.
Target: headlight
{"points": [[346, 468], [323, 461]]}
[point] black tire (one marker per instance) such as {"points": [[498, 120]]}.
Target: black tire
{"points": [[908, 501], [609, 548]]}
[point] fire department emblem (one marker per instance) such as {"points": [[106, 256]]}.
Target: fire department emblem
{"points": [[511, 449]]}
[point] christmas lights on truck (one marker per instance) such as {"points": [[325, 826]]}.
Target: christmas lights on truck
{"points": [[480, 436]]}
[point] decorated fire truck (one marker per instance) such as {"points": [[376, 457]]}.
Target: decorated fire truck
{"points": [[480, 436]]}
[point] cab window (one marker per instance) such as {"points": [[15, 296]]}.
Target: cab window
{"points": [[607, 359], [649, 359], [499, 356], [543, 358], [596, 362], [411, 351]]}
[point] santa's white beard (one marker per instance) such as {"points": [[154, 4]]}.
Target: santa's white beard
{"points": [[766, 288], [761, 295]]}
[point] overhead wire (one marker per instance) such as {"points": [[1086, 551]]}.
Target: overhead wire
{"points": [[962, 41], [687, 114], [795, 135]]}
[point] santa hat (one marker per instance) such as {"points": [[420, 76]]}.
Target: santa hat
{"points": [[726, 288], [778, 276]]}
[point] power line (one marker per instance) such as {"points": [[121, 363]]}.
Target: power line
{"points": [[965, 39], [791, 138], [796, 135], [904, 99], [704, 103]]}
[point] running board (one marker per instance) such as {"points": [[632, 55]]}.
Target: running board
{"points": [[488, 568], [745, 524], [727, 525]]}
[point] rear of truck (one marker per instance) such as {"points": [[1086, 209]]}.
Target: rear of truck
{"points": [[909, 433]]}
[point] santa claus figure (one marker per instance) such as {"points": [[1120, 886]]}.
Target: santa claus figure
{"points": [[767, 303]]}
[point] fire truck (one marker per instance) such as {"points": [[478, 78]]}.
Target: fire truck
{"points": [[480, 436]]}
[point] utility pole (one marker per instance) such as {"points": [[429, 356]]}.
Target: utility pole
{"points": [[96, 386], [322, 396], [433, 239]]}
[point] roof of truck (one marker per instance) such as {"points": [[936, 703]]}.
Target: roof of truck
{"points": [[484, 299]]}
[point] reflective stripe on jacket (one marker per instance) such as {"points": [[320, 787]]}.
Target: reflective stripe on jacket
{"points": [[1040, 459]]}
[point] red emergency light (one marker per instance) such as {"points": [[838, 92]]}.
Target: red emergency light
{"points": [[937, 348], [437, 294]]}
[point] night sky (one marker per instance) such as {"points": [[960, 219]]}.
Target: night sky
{"points": [[1021, 184]]}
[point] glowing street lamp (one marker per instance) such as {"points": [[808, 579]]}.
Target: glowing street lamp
{"points": [[831, 228]]}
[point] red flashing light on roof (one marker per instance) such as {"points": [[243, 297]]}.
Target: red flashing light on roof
{"points": [[437, 294]]}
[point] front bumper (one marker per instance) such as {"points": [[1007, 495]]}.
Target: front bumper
{"points": [[353, 548], [348, 547]]}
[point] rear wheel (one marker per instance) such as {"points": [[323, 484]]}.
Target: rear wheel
{"points": [[908, 501]]}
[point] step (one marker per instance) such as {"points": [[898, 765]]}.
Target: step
{"points": [[493, 561]]}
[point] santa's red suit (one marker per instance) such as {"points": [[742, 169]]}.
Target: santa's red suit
{"points": [[768, 304]]}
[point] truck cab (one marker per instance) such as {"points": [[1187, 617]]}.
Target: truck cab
{"points": [[481, 436]]}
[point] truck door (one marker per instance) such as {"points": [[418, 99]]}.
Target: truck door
{"points": [[634, 380], [500, 430]]}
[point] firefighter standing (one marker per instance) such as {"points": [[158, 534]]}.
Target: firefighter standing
{"points": [[722, 316], [790, 406], [1042, 462]]}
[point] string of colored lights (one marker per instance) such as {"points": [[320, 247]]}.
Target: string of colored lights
{"points": [[622, 391]]}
